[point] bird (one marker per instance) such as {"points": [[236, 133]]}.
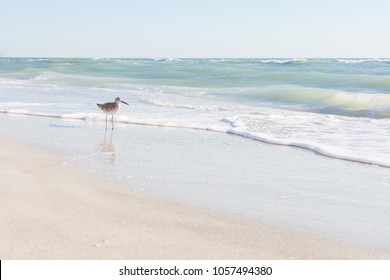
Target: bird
{"points": [[111, 108]]}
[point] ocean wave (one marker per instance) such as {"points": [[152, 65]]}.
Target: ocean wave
{"points": [[365, 60], [323, 150], [168, 59], [220, 60], [14, 82], [319, 99], [329, 136], [168, 104], [284, 61], [38, 59], [46, 76], [261, 61]]}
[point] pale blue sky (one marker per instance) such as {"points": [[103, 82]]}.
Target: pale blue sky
{"points": [[195, 28]]}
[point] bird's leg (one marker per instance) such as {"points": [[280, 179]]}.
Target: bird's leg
{"points": [[112, 121], [106, 121]]}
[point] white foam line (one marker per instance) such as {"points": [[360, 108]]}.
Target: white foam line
{"points": [[238, 131], [101, 118], [307, 146], [28, 113]]}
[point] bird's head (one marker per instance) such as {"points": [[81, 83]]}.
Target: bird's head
{"points": [[118, 99]]}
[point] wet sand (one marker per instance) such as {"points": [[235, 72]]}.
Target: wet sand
{"points": [[52, 211]]}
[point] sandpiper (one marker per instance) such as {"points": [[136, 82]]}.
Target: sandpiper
{"points": [[111, 108]]}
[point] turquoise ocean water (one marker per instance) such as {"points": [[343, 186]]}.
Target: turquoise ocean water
{"points": [[334, 107]]}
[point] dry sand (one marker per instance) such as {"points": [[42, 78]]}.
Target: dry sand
{"points": [[48, 211]]}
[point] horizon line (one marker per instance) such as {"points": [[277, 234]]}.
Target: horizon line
{"points": [[205, 57]]}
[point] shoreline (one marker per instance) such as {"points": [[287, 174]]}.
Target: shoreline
{"points": [[233, 130], [50, 211]]}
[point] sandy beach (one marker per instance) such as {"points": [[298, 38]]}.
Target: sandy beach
{"points": [[51, 211]]}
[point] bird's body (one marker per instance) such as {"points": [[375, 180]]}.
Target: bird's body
{"points": [[111, 108]]}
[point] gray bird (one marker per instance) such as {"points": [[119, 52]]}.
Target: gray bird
{"points": [[111, 108]]}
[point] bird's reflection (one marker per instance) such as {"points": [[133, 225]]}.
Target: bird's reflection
{"points": [[108, 149]]}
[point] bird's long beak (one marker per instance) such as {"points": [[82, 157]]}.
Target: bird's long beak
{"points": [[124, 102]]}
